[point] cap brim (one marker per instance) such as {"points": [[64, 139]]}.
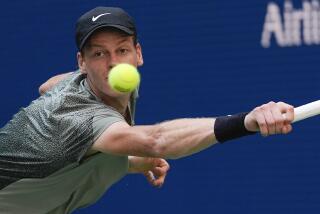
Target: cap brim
{"points": [[120, 27]]}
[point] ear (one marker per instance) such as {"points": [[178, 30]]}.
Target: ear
{"points": [[139, 55], [81, 63]]}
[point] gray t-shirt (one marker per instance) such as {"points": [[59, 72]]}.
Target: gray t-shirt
{"points": [[45, 144]]}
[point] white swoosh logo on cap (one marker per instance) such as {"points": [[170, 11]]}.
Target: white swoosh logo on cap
{"points": [[97, 17]]}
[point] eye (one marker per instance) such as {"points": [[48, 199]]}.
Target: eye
{"points": [[98, 54], [123, 51]]}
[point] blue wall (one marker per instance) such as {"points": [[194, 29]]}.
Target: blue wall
{"points": [[202, 58]]}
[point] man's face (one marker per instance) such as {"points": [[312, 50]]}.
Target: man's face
{"points": [[104, 50]]}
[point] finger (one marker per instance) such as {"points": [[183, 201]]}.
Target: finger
{"points": [[150, 177], [278, 118], [158, 182], [160, 174], [159, 171], [270, 120], [164, 164], [153, 180], [288, 110], [286, 129], [258, 113]]}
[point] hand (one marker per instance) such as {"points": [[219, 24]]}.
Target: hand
{"points": [[154, 169], [271, 118]]}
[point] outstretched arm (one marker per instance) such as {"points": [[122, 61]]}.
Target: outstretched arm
{"points": [[182, 137]]}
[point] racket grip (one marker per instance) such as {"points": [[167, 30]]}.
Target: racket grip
{"points": [[306, 111]]}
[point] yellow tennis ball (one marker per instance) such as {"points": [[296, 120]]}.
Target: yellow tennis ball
{"points": [[124, 78]]}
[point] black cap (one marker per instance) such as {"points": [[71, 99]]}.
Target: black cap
{"points": [[103, 17]]}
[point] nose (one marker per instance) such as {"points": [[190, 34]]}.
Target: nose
{"points": [[113, 61]]}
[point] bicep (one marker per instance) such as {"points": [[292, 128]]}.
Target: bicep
{"points": [[122, 139]]}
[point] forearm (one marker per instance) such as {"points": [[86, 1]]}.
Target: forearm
{"points": [[183, 137]]}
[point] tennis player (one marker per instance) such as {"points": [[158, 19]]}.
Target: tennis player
{"points": [[66, 148]]}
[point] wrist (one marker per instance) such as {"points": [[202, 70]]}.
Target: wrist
{"points": [[231, 127], [138, 164], [132, 164]]}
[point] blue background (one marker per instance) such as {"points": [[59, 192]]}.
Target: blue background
{"points": [[202, 59]]}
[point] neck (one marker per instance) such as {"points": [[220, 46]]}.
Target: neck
{"points": [[119, 102]]}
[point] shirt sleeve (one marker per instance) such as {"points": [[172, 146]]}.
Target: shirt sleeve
{"points": [[102, 121]]}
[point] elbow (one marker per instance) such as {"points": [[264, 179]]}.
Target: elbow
{"points": [[43, 88], [152, 146], [157, 145], [164, 151]]}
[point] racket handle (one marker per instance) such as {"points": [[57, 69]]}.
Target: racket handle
{"points": [[306, 111]]}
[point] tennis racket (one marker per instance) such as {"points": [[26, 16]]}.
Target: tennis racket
{"points": [[306, 111]]}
